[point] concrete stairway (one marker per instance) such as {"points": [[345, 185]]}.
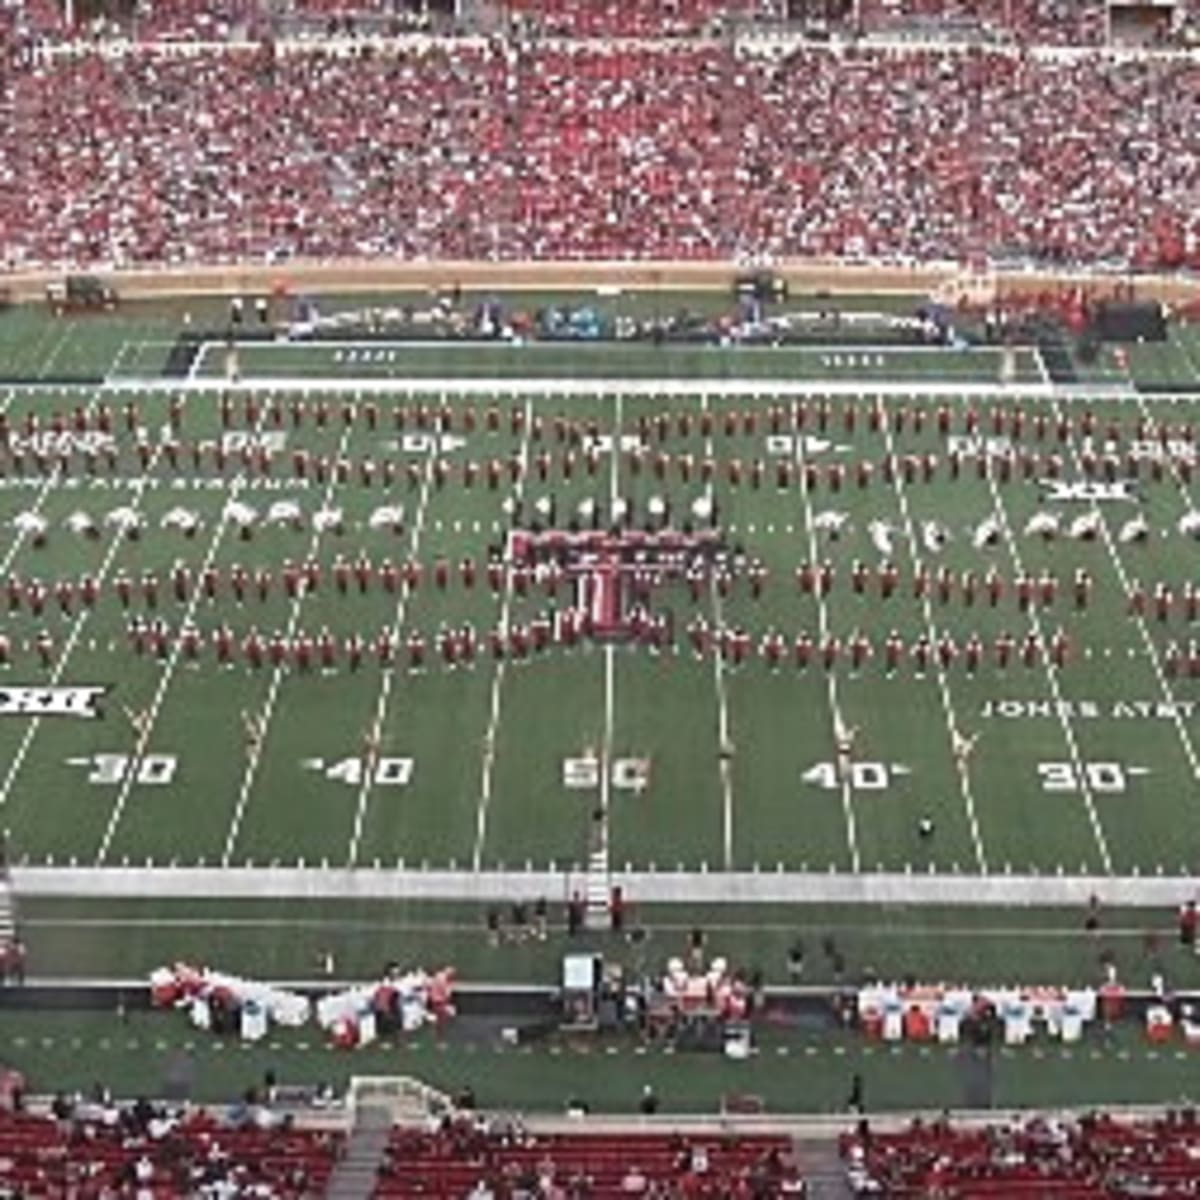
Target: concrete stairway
{"points": [[354, 1177], [8, 911], [823, 1170], [597, 889]]}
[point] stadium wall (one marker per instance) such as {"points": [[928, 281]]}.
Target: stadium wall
{"points": [[803, 276]]}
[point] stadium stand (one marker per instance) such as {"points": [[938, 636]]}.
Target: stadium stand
{"points": [[640, 18], [1031, 22], [196, 21], [1079, 1159], [97, 1148], [30, 21], [462, 1155], [684, 151], [215, 21]]}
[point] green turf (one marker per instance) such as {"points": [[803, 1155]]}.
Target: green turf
{"points": [[794, 1070], [604, 360], [488, 747], [127, 940], [466, 805], [135, 339]]}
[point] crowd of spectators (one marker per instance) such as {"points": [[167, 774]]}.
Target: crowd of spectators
{"points": [[26, 21], [1094, 1156], [91, 1146], [483, 1159], [684, 151]]}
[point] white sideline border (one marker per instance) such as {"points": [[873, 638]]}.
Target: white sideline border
{"points": [[663, 887], [600, 345], [509, 386]]}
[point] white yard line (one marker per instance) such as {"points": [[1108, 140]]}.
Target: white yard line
{"points": [[1039, 362], [888, 350], [139, 346], [835, 711], [489, 739], [387, 677], [67, 333], [606, 749], [725, 765], [1106, 536], [509, 386], [198, 362], [600, 852], [47, 337], [723, 732], [168, 674], [952, 727], [138, 487], [268, 710], [118, 359], [1089, 801]]}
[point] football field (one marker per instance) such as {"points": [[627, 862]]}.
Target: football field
{"points": [[861, 623]]}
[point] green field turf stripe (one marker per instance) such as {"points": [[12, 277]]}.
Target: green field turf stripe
{"points": [[953, 730], [724, 733], [1051, 673], [39, 500], [386, 677], [1139, 620], [487, 766], [1051, 676], [68, 331], [36, 352], [1179, 347], [168, 674], [907, 926], [268, 710], [598, 857], [60, 664], [842, 734]]}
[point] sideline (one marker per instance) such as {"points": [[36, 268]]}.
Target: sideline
{"points": [[642, 887]]}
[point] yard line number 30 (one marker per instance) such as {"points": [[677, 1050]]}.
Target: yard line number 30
{"points": [[111, 770]]}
